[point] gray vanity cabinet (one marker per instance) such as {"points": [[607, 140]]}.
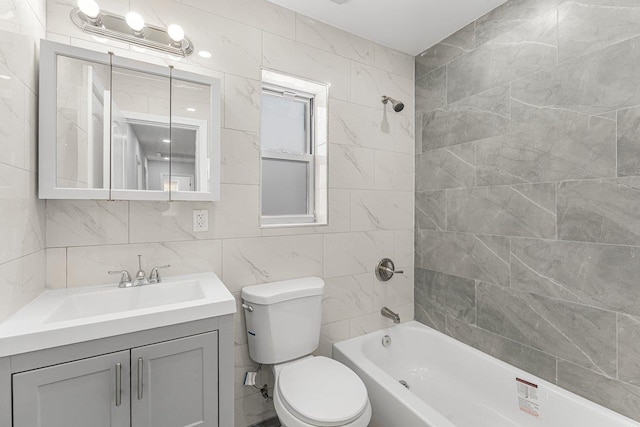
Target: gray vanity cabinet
{"points": [[75, 394]]}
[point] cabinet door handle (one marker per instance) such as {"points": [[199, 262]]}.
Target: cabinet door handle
{"points": [[140, 373], [118, 384]]}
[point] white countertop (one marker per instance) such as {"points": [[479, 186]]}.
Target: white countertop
{"points": [[69, 316]]}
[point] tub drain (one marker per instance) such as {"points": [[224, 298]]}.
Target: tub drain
{"points": [[386, 341], [404, 383]]}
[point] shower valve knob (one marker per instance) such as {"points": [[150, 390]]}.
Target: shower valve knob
{"points": [[386, 269]]}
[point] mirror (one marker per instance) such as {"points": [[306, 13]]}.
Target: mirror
{"points": [[126, 130]]}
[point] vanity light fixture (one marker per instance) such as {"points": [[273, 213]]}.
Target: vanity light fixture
{"points": [[130, 29]]}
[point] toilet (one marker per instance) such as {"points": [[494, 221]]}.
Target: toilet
{"points": [[283, 329]]}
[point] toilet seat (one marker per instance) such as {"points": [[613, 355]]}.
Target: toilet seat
{"points": [[322, 392]]}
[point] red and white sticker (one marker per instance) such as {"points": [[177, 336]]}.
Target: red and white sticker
{"points": [[528, 397]]}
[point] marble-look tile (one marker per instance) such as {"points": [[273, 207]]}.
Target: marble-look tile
{"points": [[447, 50], [403, 251], [351, 167], [590, 25], [375, 321], [21, 280], [88, 265], [394, 61], [18, 53], [484, 258], [431, 90], [580, 334], [355, 253], [404, 131], [431, 318], [239, 321], [241, 103], [526, 116], [628, 349], [430, 210], [237, 212], [330, 334], [579, 149], [393, 171], [477, 117], [331, 39], [603, 390], [368, 84], [596, 83], [242, 363], [56, 274], [269, 259], [256, 13], [366, 127], [14, 129], [449, 295], [347, 297], [289, 56], [86, 222], [452, 167], [526, 210], [239, 157], [598, 275], [628, 141], [252, 409], [526, 49], [526, 358], [396, 292], [603, 211], [381, 210]]}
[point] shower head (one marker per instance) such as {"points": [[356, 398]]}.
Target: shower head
{"points": [[397, 105]]}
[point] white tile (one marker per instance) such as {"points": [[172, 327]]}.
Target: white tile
{"points": [[330, 334], [394, 61], [240, 157], [56, 277], [355, 253], [375, 321], [396, 292], [86, 222], [267, 259], [368, 84], [236, 214], [242, 103], [325, 37], [242, 364], [404, 133], [394, 171], [351, 167], [353, 124], [13, 124], [288, 56], [21, 280], [347, 297], [403, 247], [381, 210]]}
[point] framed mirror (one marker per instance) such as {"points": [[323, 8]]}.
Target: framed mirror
{"points": [[119, 129]]}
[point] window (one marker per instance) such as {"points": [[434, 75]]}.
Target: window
{"points": [[293, 150]]}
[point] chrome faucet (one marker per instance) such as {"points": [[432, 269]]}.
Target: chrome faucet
{"points": [[125, 278], [386, 312], [141, 276]]}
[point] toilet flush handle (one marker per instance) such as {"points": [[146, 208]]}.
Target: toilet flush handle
{"points": [[247, 307]]}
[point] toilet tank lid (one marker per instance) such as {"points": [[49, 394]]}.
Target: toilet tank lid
{"points": [[271, 293]]}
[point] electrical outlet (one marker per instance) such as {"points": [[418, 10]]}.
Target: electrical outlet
{"points": [[200, 220]]}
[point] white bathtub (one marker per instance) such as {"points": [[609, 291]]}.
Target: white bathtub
{"points": [[454, 385]]}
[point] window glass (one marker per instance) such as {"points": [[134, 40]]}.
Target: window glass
{"points": [[284, 187], [283, 124]]}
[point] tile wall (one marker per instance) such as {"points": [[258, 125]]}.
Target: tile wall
{"points": [[371, 161], [528, 192]]}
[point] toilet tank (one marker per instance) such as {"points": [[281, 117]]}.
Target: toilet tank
{"points": [[283, 319]]}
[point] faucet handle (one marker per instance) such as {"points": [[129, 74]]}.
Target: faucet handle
{"points": [[125, 278], [154, 277]]}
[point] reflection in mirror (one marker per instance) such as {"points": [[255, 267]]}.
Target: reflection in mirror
{"points": [[141, 136], [190, 142], [82, 145]]}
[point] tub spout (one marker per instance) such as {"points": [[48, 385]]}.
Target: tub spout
{"points": [[390, 314]]}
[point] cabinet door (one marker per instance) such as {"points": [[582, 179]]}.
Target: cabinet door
{"points": [[175, 383], [75, 394]]}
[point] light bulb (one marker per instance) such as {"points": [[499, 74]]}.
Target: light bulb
{"points": [[176, 33], [135, 21], [89, 8]]}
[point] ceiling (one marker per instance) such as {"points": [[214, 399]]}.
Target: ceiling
{"points": [[410, 26]]}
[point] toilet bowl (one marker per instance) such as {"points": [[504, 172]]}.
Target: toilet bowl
{"points": [[283, 328]]}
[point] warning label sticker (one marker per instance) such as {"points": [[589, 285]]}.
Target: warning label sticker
{"points": [[528, 397]]}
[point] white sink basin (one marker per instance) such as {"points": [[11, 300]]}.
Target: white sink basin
{"points": [[67, 316]]}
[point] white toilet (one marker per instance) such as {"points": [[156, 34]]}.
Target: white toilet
{"points": [[283, 329]]}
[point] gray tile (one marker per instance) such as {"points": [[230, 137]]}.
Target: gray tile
{"points": [[603, 211], [581, 334], [446, 51], [431, 91], [629, 349], [452, 296], [526, 116], [430, 210], [629, 141], [616, 395], [483, 258], [524, 50], [583, 148], [526, 358], [604, 276], [519, 210], [478, 117], [596, 83], [429, 317], [452, 167], [589, 25]]}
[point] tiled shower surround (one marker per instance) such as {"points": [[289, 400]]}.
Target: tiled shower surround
{"points": [[528, 192]]}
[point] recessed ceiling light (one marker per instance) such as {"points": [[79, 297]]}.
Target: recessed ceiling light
{"points": [[166, 140], [191, 109], [166, 158], [204, 54], [4, 77]]}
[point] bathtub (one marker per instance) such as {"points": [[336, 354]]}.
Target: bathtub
{"points": [[453, 385]]}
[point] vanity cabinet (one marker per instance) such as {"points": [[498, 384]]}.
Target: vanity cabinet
{"points": [[170, 384]]}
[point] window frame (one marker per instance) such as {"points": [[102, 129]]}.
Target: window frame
{"points": [[308, 157]]}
